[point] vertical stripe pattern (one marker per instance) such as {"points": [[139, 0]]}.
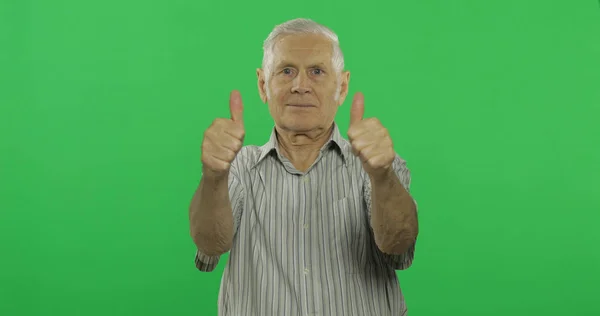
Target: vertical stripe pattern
{"points": [[303, 243]]}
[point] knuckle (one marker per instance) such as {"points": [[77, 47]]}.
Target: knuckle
{"points": [[205, 147], [218, 124], [225, 166], [239, 132], [209, 134], [230, 156], [236, 144]]}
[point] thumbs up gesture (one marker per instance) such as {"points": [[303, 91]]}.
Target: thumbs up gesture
{"points": [[370, 141], [223, 140]]}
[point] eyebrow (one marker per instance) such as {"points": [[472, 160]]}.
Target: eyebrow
{"points": [[289, 64]]}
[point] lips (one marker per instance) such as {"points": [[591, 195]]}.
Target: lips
{"points": [[302, 105]]}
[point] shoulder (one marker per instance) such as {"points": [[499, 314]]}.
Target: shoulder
{"points": [[245, 160]]}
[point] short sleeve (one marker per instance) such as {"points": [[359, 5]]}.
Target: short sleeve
{"points": [[236, 196], [401, 261]]}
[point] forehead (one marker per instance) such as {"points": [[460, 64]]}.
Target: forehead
{"points": [[303, 48]]}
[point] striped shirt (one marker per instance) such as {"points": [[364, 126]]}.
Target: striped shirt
{"points": [[303, 243]]}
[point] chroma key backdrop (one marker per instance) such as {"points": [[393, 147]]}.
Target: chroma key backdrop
{"points": [[103, 104]]}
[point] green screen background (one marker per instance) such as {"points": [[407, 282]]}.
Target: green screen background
{"points": [[494, 104]]}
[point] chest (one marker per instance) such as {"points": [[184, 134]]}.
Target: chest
{"points": [[321, 195], [325, 207]]}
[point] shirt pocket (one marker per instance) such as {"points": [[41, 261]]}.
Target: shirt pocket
{"points": [[345, 235]]}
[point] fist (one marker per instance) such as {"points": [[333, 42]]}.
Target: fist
{"points": [[370, 141], [223, 140]]}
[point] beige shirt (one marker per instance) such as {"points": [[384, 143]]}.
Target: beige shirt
{"points": [[303, 244]]}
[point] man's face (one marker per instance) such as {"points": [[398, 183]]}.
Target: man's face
{"points": [[303, 85]]}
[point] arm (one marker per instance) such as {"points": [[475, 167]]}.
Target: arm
{"points": [[213, 220], [211, 217], [393, 214], [214, 214]]}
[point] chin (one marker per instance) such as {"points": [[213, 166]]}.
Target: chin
{"points": [[300, 128], [298, 125]]}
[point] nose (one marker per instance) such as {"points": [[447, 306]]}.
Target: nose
{"points": [[301, 84]]}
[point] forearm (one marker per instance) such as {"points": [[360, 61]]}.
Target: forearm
{"points": [[211, 217], [393, 215]]}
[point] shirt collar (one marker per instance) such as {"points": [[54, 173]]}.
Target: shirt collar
{"points": [[335, 140]]}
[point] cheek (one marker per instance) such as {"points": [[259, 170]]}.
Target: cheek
{"points": [[277, 93], [328, 91], [276, 102], [280, 97]]}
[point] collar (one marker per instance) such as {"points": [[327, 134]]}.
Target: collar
{"points": [[334, 140]]}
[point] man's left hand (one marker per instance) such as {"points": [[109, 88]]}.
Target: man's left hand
{"points": [[370, 141]]}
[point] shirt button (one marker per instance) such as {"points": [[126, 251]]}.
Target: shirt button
{"points": [[305, 271], [305, 226], [306, 179]]}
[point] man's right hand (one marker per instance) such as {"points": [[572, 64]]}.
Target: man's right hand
{"points": [[223, 140]]}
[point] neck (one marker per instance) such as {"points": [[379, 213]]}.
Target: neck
{"points": [[302, 148]]}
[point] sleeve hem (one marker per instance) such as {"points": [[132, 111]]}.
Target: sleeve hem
{"points": [[205, 263]]}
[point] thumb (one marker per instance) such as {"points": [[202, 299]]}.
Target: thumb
{"points": [[357, 111], [236, 107]]}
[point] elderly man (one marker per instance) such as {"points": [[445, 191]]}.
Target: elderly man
{"points": [[315, 224]]}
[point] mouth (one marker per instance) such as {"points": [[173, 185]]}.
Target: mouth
{"points": [[301, 105]]}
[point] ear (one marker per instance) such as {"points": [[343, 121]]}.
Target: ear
{"points": [[261, 85], [345, 82]]}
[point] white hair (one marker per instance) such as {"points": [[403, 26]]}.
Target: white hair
{"points": [[301, 26]]}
